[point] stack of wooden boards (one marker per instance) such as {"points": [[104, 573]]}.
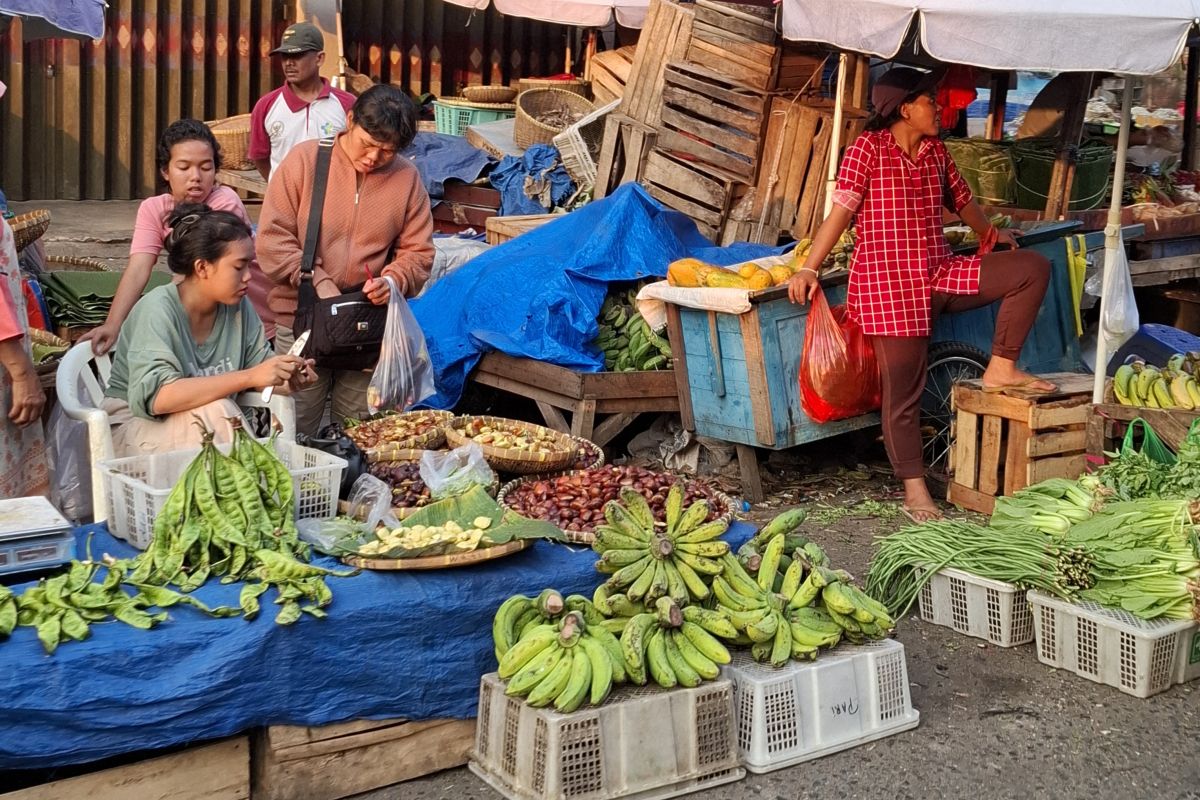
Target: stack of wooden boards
{"points": [[723, 121]]}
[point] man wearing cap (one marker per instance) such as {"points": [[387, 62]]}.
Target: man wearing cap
{"points": [[893, 183], [305, 107]]}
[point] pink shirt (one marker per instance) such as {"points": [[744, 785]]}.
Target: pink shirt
{"points": [[12, 322], [150, 232]]}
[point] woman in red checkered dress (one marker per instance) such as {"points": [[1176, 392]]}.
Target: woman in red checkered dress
{"points": [[893, 182]]}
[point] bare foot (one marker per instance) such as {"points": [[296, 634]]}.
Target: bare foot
{"points": [[919, 505]]}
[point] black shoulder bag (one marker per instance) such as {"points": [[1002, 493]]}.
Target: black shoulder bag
{"points": [[347, 330]]}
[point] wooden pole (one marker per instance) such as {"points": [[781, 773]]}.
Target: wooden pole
{"points": [[1189, 107], [1059, 195], [997, 100]]}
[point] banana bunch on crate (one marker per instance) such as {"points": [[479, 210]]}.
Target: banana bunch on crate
{"points": [[839, 255], [675, 646], [1174, 386], [628, 343]]}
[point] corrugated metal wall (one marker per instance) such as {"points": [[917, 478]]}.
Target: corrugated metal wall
{"points": [[81, 119]]}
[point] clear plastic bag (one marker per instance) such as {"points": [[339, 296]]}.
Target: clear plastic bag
{"points": [[1119, 318], [404, 375], [454, 472], [371, 501], [70, 462], [839, 376]]}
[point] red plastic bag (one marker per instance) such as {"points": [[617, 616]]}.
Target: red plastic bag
{"points": [[839, 377]]}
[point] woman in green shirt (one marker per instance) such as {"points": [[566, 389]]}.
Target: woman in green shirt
{"points": [[187, 349]]}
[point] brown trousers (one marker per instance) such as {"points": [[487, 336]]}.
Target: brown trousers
{"points": [[1018, 279]]}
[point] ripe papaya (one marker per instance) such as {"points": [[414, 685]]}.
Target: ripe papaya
{"points": [[725, 279], [687, 272], [780, 275], [760, 279]]}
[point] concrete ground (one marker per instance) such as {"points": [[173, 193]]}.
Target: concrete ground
{"points": [[995, 723]]}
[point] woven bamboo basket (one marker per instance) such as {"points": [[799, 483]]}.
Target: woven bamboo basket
{"points": [[233, 137], [430, 439], [588, 454], [408, 456], [518, 462], [39, 336], [576, 85], [75, 263], [528, 130], [725, 504], [489, 94], [28, 228]]}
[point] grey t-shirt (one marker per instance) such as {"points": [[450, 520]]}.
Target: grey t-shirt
{"points": [[156, 347]]}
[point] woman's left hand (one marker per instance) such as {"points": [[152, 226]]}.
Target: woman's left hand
{"points": [[28, 399], [1007, 237], [304, 377], [377, 291]]}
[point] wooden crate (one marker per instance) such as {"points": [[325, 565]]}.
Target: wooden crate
{"points": [[219, 771], [1107, 422], [664, 38], [740, 42], [601, 404], [331, 761], [501, 229], [701, 191], [622, 152], [465, 206], [711, 119], [609, 72], [738, 377], [1005, 442]]}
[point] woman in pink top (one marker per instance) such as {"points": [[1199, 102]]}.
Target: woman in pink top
{"points": [[188, 159]]}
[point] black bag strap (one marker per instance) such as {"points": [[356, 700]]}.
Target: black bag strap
{"points": [[308, 295]]}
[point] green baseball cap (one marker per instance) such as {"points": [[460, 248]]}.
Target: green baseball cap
{"points": [[300, 38]]}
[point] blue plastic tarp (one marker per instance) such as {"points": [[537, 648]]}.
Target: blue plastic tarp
{"points": [[58, 18], [538, 295], [440, 157], [539, 169], [407, 645]]}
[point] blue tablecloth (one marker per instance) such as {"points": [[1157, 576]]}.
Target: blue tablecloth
{"points": [[396, 644]]}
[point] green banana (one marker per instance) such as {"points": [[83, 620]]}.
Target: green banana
{"points": [[808, 591], [761, 651], [810, 638], [600, 600], [694, 585], [600, 668], [731, 600], [551, 686], [638, 507], [781, 647], [693, 517], [622, 606], [783, 523], [712, 621], [837, 600], [684, 673], [848, 623], [633, 646], [591, 614], [620, 517], [711, 549], [704, 666], [815, 619], [703, 533], [535, 671], [638, 590], [523, 651], [674, 509], [770, 564], [705, 642], [702, 565], [504, 624], [792, 579], [630, 573], [765, 628], [578, 684], [678, 589], [612, 647], [652, 363], [615, 559], [737, 577], [610, 538], [656, 660], [803, 651]]}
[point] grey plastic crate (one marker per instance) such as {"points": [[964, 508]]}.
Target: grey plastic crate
{"points": [[643, 742]]}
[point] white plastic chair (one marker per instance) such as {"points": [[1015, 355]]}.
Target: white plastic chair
{"points": [[80, 366]]}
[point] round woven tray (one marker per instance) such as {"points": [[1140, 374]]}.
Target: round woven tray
{"points": [[431, 439], [589, 454], [465, 103], [587, 537], [528, 130], [233, 137], [519, 462], [28, 228], [489, 94], [75, 263], [408, 456], [441, 562]]}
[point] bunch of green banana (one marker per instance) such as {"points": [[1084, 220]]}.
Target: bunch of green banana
{"points": [[647, 561], [628, 342], [1174, 386], [617, 608], [813, 607], [842, 250], [785, 524], [519, 614], [675, 646], [565, 663]]}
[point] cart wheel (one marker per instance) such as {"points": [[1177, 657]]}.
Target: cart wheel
{"points": [[949, 363]]}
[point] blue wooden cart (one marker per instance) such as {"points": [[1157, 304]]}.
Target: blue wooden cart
{"points": [[738, 374]]}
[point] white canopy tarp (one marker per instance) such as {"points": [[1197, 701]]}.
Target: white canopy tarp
{"points": [[584, 13], [1127, 36]]}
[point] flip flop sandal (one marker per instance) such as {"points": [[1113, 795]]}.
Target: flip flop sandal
{"points": [[1024, 386], [911, 513]]}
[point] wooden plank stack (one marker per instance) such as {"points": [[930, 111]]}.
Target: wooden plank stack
{"points": [[609, 72], [1005, 442], [736, 134]]}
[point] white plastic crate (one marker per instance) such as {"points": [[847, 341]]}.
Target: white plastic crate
{"points": [[1111, 646], [137, 487], [643, 742], [579, 145], [979, 607], [849, 696]]}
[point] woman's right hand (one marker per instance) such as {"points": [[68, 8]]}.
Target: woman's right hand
{"points": [[276, 371], [803, 286], [103, 337]]}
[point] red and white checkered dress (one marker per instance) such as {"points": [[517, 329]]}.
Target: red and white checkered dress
{"points": [[901, 255]]}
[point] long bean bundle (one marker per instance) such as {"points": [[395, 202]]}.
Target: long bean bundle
{"points": [[907, 560]]}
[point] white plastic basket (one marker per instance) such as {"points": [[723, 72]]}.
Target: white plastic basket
{"points": [[579, 145], [644, 742], [805, 710], [1111, 646], [979, 607], [137, 486]]}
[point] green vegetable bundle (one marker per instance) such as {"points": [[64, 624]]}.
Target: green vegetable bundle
{"points": [[1051, 507]]}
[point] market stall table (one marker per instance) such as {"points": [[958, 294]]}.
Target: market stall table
{"points": [[396, 644], [247, 180], [619, 396]]}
